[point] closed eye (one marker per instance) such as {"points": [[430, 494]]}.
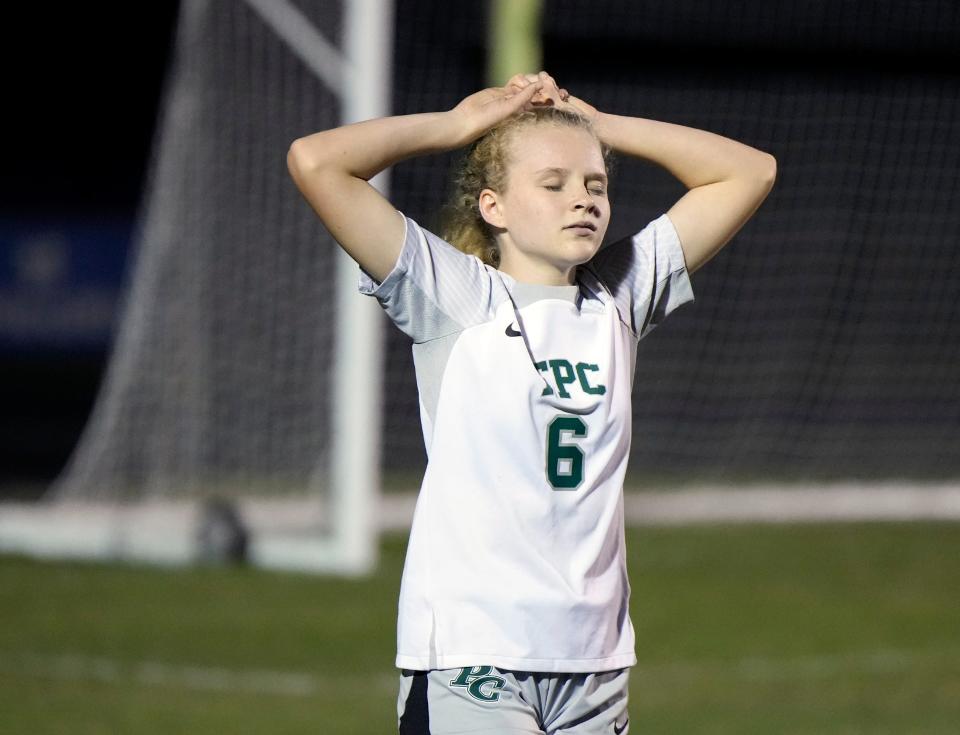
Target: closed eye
{"points": [[554, 187]]}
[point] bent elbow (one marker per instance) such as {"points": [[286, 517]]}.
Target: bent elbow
{"points": [[297, 160], [768, 170]]}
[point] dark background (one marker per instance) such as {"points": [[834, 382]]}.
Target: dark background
{"points": [[83, 87], [825, 339], [825, 342]]}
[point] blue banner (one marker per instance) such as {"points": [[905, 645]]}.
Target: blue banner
{"points": [[60, 282]]}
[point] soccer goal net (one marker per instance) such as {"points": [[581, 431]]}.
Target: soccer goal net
{"points": [[236, 418], [824, 342], [822, 349]]}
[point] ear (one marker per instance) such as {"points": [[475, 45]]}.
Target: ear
{"points": [[489, 203]]}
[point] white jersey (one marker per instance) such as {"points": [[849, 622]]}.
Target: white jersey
{"points": [[516, 554]]}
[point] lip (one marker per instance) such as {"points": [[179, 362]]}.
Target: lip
{"points": [[582, 226]]}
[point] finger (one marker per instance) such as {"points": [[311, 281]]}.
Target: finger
{"points": [[523, 96], [547, 79], [551, 89], [518, 80]]}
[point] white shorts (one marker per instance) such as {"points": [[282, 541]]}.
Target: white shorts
{"points": [[485, 699]]}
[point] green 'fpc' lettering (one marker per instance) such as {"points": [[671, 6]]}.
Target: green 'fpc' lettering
{"points": [[582, 367], [542, 367], [563, 375]]}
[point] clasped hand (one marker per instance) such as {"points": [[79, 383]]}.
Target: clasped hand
{"points": [[484, 109]]}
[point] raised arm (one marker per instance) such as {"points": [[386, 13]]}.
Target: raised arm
{"points": [[726, 180], [332, 168]]}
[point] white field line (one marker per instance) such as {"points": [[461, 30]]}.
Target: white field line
{"points": [[190, 677], [767, 504], [700, 504], [164, 531], [300, 684], [804, 668]]}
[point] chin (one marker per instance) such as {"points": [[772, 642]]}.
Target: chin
{"points": [[582, 253]]}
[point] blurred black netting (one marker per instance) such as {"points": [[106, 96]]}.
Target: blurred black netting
{"points": [[825, 339]]}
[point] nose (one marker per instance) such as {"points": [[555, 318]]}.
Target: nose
{"points": [[586, 203]]}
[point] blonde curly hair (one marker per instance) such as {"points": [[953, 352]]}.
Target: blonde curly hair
{"points": [[484, 166]]}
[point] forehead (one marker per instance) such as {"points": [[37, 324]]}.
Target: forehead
{"points": [[555, 146]]}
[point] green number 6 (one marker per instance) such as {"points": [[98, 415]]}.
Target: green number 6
{"points": [[565, 461]]}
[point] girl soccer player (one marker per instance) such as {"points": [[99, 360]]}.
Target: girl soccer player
{"points": [[513, 606]]}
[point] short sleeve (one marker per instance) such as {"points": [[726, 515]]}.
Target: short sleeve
{"points": [[434, 289], [646, 274]]}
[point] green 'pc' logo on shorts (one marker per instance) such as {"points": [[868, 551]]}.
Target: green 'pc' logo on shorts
{"points": [[475, 678]]}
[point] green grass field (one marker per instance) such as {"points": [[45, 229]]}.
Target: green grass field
{"points": [[741, 629]]}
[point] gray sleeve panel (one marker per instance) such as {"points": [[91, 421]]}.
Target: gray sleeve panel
{"points": [[430, 360], [646, 274], [434, 289]]}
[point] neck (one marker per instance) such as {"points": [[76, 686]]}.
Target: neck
{"points": [[529, 271]]}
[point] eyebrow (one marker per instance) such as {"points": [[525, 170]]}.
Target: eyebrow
{"points": [[598, 176]]}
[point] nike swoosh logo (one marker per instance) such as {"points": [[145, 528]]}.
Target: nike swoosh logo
{"points": [[618, 730], [511, 332]]}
